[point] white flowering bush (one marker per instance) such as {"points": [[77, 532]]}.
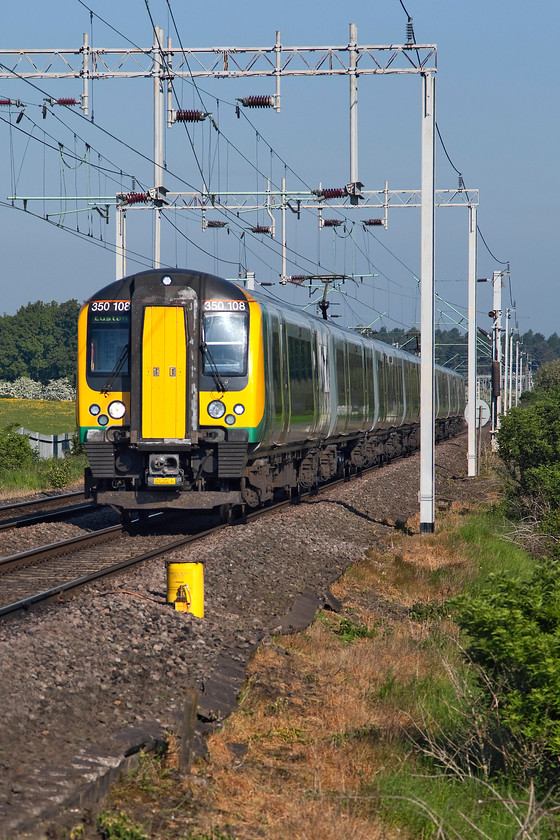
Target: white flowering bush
{"points": [[59, 389], [26, 389]]}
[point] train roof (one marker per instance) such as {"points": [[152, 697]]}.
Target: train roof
{"points": [[380, 346]]}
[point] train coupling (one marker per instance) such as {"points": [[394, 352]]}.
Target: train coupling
{"points": [[163, 470]]}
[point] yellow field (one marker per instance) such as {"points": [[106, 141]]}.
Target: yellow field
{"points": [[50, 417]]}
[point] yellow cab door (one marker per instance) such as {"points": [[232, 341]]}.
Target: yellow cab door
{"points": [[164, 372]]}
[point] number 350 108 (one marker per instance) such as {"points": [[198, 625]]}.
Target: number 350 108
{"points": [[110, 306], [225, 306]]}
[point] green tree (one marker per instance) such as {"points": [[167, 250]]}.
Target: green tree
{"points": [[40, 342], [529, 446], [547, 377]]}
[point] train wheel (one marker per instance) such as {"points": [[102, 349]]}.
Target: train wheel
{"points": [[295, 495], [250, 495]]}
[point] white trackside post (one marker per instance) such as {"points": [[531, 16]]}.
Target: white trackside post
{"points": [[471, 376], [427, 348]]}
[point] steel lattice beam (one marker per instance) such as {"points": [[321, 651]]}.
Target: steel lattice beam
{"points": [[219, 62]]}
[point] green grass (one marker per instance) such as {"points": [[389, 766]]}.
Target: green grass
{"points": [[484, 538], [44, 475], [448, 795], [431, 804], [49, 417]]}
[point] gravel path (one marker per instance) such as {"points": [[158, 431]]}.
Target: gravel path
{"points": [[75, 674]]}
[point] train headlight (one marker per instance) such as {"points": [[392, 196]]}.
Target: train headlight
{"points": [[216, 409], [94, 410], [102, 419], [239, 409], [230, 419], [116, 410]]}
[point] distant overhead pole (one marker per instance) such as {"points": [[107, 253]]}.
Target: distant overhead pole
{"points": [[496, 315], [506, 362], [497, 356]]}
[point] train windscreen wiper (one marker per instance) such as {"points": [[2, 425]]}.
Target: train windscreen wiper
{"points": [[213, 367], [108, 387]]}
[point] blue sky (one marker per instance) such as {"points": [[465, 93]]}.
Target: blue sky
{"points": [[497, 110]]}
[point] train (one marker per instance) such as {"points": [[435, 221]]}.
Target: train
{"points": [[196, 393]]}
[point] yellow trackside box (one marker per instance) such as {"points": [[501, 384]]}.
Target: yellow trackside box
{"points": [[188, 577]]}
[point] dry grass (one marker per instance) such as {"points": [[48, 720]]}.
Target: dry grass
{"points": [[312, 717], [297, 716], [314, 729]]}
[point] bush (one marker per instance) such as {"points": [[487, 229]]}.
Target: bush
{"points": [[58, 472], [15, 449], [26, 389], [529, 446], [59, 389], [547, 377], [514, 637]]}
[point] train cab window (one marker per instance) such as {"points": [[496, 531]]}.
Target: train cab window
{"points": [[226, 340], [108, 348]]}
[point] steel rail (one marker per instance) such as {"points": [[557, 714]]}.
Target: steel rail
{"points": [[57, 591], [23, 558], [45, 516], [46, 500]]}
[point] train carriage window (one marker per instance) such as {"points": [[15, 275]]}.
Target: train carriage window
{"points": [[300, 363], [226, 339], [323, 366], [394, 389], [277, 372], [356, 366], [412, 384], [108, 345], [382, 394], [341, 376], [370, 405]]}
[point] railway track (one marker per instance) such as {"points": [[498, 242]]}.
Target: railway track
{"points": [[45, 509], [27, 579], [47, 572]]}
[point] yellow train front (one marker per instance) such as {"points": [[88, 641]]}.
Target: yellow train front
{"points": [[194, 393], [169, 397]]}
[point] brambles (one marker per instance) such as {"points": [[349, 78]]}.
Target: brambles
{"points": [[119, 827], [21, 468], [348, 631]]}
